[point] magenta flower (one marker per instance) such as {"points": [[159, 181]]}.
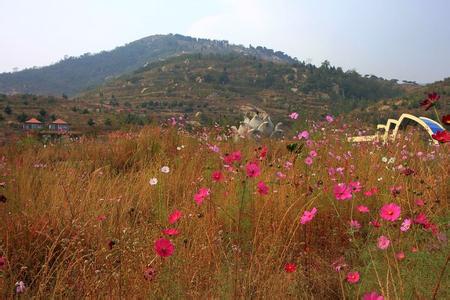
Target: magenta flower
{"points": [[164, 247], [303, 135], [342, 191], [308, 161], [355, 224], [252, 169], [363, 209], [383, 242], [329, 118], [356, 186], [290, 267], [390, 212], [217, 176], [175, 216], [171, 231], [263, 189], [308, 216], [312, 153], [372, 296], [353, 277], [371, 192], [201, 195]]}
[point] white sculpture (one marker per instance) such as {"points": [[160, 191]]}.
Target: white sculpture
{"points": [[257, 123]]}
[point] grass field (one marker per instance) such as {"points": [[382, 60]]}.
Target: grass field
{"points": [[321, 218]]}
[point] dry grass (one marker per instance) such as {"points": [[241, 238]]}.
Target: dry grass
{"points": [[236, 244]]}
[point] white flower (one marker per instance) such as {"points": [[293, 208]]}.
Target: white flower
{"points": [[153, 181], [165, 169], [384, 159]]}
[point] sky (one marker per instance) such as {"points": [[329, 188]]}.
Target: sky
{"points": [[401, 39]]}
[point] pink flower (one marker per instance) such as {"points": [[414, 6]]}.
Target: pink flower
{"points": [[149, 273], [383, 242], [217, 176], [375, 224], [303, 135], [331, 171], [421, 219], [287, 165], [329, 118], [371, 192], [342, 191], [420, 202], [395, 190], [390, 212], [406, 224], [293, 115], [356, 186], [308, 216], [281, 175], [308, 161], [372, 296], [101, 218], [290, 267], [171, 231], [400, 255], [339, 264], [353, 277], [355, 224], [175, 216], [201, 195], [236, 155], [363, 209], [164, 247], [312, 153], [263, 189], [252, 169]]}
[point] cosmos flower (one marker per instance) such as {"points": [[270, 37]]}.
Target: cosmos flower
{"points": [[442, 136], [383, 242], [303, 135], [372, 296], [356, 186], [430, 100], [390, 212], [280, 175], [329, 118], [164, 247], [400, 255], [149, 273], [263, 189], [201, 195], [290, 267], [353, 277], [308, 161], [313, 153], [217, 176], [153, 181], [406, 224], [363, 209], [342, 191], [308, 216], [165, 169], [175, 216], [354, 224], [252, 169], [171, 231], [293, 115]]}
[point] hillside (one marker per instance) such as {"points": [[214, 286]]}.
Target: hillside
{"points": [[74, 74], [218, 84]]}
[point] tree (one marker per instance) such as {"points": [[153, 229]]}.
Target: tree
{"points": [[8, 110], [108, 122], [91, 122], [22, 117], [43, 112]]}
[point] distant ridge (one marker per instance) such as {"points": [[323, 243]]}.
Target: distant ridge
{"points": [[75, 74]]}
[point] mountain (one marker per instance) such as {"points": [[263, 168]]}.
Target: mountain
{"points": [[75, 74]]}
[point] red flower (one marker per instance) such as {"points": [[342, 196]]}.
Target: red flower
{"points": [[353, 277], [252, 169], [175, 216], [430, 100], [446, 119], [263, 189], [290, 267], [442, 136], [217, 176], [171, 231], [164, 247]]}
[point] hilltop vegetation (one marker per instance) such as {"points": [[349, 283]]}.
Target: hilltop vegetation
{"points": [[75, 74]]}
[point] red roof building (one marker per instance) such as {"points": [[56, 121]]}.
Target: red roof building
{"points": [[32, 123], [59, 125]]}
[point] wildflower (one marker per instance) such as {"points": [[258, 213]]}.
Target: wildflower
{"points": [[217, 176], [164, 247], [375, 224], [342, 191], [395, 190], [356, 186], [252, 169], [308, 216], [354, 224], [390, 212], [175, 216], [331, 171], [406, 224], [149, 273], [171, 231], [372, 296], [313, 153], [287, 165], [2, 262], [363, 209], [263, 189], [384, 159], [101, 218], [293, 115], [442, 136], [430, 100], [371, 192], [420, 202], [383, 242], [280, 175], [303, 135], [353, 277], [263, 152], [339, 264], [400, 255], [236, 155], [308, 161], [165, 169], [421, 219], [153, 181], [20, 287], [214, 148], [290, 267], [201, 195], [329, 118]]}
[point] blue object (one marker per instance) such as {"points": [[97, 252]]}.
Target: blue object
{"points": [[434, 126]]}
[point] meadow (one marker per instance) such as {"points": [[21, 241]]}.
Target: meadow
{"points": [[164, 213]]}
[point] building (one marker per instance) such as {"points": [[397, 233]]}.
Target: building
{"points": [[33, 124], [59, 125]]}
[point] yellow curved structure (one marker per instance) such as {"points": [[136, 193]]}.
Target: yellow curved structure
{"points": [[429, 125]]}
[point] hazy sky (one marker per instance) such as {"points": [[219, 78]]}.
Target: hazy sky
{"points": [[403, 39]]}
